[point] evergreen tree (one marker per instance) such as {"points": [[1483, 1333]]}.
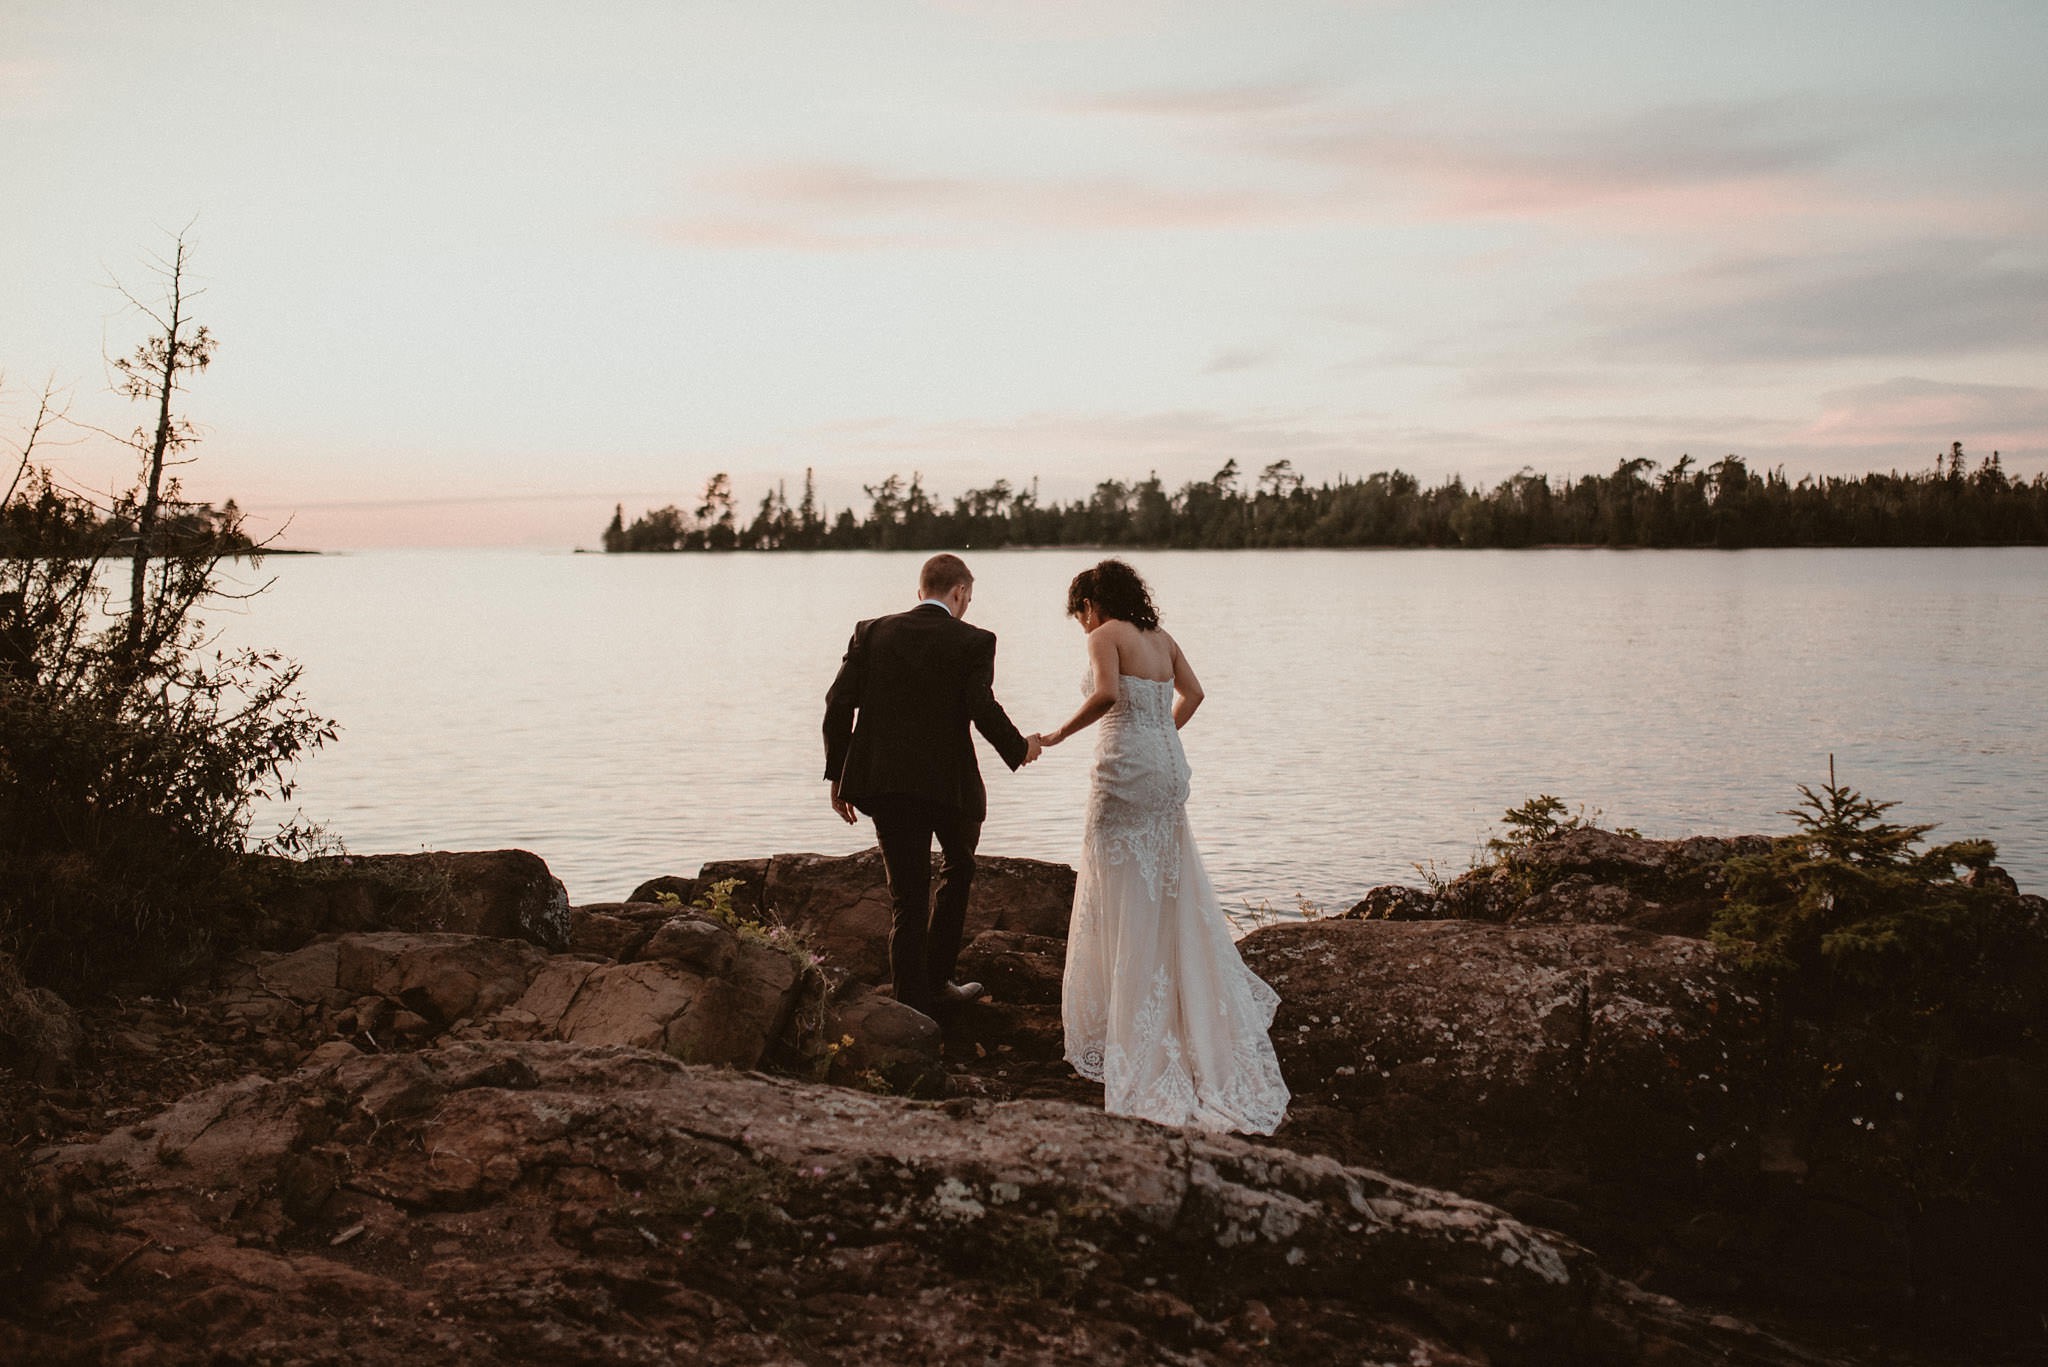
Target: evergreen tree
{"points": [[810, 527], [717, 515]]}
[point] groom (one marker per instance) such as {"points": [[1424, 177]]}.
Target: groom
{"points": [[916, 680]]}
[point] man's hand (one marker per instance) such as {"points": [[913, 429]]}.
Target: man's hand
{"points": [[1032, 748], [843, 807]]}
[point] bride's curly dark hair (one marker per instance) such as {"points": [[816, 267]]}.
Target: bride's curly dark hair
{"points": [[1117, 591]]}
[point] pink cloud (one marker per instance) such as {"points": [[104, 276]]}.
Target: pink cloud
{"points": [[1211, 102], [758, 234], [1722, 170], [2007, 417], [854, 189], [838, 207], [1061, 21], [27, 87], [1705, 168]]}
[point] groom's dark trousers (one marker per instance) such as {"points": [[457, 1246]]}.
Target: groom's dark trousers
{"points": [[897, 744], [923, 953]]}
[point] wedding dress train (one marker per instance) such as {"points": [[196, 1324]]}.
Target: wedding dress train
{"points": [[1158, 1006]]}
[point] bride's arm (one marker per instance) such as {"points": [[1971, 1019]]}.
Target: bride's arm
{"points": [[1187, 689], [1102, 659]]}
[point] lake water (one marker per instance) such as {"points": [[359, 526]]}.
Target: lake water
{"points": [[627, 716]]}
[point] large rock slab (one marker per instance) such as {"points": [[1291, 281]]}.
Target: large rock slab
{"points": [[731, 1019], [505, 893], [560, 1202], [1632, 1090], [1449, 1045], [1584, 876], [842, 903], [444, 978], [616, 930], [700, 991]]}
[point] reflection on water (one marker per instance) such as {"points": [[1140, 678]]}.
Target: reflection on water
{"points": [[627, 716]]}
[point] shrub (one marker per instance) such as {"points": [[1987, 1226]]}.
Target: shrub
{"points": [[1538, 819], [132, 751], [1847, 910]]}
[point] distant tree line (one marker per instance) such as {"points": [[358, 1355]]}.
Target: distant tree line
{"points": [[48, 519], [1725, 504]]}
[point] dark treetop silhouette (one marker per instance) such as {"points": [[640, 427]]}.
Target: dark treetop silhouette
{"points": [[1725, 504]]}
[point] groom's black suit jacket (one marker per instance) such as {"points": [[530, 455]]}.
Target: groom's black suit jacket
{"points": [[917, 680]]}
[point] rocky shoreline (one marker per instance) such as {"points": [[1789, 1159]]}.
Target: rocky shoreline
{"points": [[434, 1113]]}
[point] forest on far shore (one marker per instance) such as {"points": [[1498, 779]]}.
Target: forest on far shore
{"points": [[49, 519], [1686, 504]]}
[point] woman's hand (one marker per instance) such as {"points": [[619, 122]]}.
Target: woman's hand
{"points": [[1048, 739]]}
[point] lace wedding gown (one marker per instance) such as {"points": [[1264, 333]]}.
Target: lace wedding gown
{"points": [[1158, 1006]]}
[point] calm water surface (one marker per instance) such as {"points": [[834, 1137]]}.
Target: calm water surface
{"points": [[1367, 712]]}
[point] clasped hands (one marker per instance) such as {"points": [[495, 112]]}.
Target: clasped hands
{"points": [[1037, 744], [1034, 745]]}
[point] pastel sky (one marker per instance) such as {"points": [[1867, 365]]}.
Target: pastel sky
{"points": [[480, 270]]}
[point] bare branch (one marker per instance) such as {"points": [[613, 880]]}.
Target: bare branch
{"points": [[48, 411], [163, 325], [133, 440]]}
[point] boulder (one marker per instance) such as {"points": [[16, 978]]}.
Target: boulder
{"points": [[444, 978], [31, 1208], [1584, 876], [634, 1004], [701, 945], [1443, 1047], [893, 1047], [615, 930], [700, 990], [1628, 1088], [309, 975], [1395, 902], [841, 904], [504, 893], [566, 1203], [1016, 966], [683, 890], [731, 1019], [39, 1033]]}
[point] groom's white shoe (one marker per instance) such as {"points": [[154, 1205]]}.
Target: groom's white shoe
{"points": [[958, 994]]}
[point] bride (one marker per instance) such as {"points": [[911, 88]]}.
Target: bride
{"points": [[1158, 1006]]}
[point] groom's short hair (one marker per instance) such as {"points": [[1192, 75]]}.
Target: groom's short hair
{"points": [[942, 574]]}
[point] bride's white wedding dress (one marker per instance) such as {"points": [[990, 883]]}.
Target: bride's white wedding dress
{"points": [[1158, 1006]]}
